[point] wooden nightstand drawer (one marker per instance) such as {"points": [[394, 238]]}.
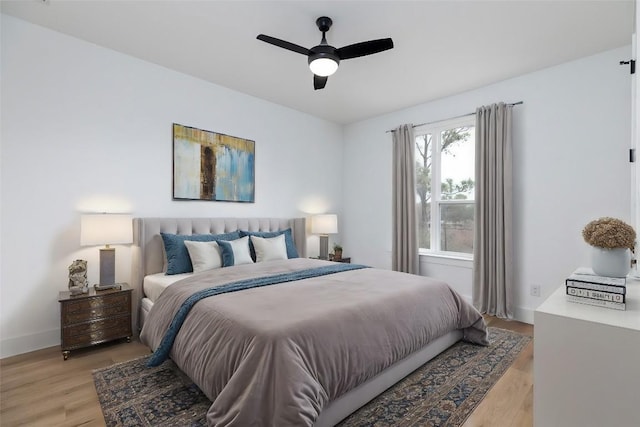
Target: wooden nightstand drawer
{"points": [[94, 318], [95, 308], [96, 325], [95, 301], [86, 334]]}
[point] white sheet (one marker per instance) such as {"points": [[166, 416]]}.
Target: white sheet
{"points": [[154, 284], [146, 304]]}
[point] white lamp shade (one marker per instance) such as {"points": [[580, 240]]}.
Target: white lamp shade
{"points": [[323, 67], [324, 224], [105, 229]]}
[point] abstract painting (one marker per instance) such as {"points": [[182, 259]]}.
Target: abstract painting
{"points": [[212, 166]]}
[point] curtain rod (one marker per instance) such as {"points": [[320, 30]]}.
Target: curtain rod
{"points": [[453, 118]]}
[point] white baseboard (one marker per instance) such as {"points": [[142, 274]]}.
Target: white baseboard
{"points": [[24, 344], [521, 314]]}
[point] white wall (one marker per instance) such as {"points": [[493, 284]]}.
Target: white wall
{"points": [[571, 141], [86, 129]]}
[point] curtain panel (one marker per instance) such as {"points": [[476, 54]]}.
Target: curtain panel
{"points": [[493, 247], [404, 246]]}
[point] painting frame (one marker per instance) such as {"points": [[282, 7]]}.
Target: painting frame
{"points": [[212, 166]]}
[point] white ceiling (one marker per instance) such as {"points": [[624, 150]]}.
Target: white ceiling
{"points": [[441, 47]]}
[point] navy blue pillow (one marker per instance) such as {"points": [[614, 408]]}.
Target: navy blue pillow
{"points": [[226, 253], [292, 252], [235, 252], [178, 260]]}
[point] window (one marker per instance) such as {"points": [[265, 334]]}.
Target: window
{"points": [[445, 184]]}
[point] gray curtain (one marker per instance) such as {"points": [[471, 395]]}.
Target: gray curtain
{"points": [[493, 248], [404, 248]]}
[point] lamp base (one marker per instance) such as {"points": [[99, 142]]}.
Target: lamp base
{"points": [[324, 247], [107, 266]]}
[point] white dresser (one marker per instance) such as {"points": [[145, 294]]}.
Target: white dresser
{"points": [[587, 363]]}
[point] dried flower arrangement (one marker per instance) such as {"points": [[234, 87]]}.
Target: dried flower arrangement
{"points": [[609, 233]]}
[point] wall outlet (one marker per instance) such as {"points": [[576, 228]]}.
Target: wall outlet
{"points": [[535, 290]]}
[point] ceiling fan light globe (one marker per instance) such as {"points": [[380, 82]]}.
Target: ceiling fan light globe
{"points": [[323, 67]]}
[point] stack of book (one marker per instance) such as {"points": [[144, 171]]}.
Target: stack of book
{"points": [[585, 287]]}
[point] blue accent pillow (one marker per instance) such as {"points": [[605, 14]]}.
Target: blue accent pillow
{"points": [[235, 252], [226, 253], [292, 252], [178, 260]]}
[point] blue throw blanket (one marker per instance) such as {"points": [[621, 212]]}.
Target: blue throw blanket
{"points": [[162, 352]]}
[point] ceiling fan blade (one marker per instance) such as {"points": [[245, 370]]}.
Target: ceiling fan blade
{"points": [[364, 48], [284, 44], [319, 82]]}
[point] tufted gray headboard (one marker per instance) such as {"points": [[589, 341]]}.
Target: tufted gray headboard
{"points": [[148, 252]]}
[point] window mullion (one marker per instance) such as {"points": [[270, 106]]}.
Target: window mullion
{"points": [[435, 191]]}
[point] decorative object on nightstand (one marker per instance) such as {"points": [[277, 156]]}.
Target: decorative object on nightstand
{"points": [[78, 283], [337, 252], [585, 287], [93, 318], [612, 242], [324, 225], [106, 229]]}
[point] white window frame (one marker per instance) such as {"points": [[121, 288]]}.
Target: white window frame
{"points": [[435, 129]]}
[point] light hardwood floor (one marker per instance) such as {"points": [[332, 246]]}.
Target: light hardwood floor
{"points": [[510, 402], [40, 389]]}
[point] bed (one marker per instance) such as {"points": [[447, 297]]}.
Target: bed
{"points": [[311, 351]]}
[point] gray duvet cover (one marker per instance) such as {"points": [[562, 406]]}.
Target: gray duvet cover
{"points": [[277, 355]]}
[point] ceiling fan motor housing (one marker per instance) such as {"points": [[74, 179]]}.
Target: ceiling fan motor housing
{"points": [[323, 51]]}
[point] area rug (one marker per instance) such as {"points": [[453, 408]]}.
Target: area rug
{"points": [[442, 392]]}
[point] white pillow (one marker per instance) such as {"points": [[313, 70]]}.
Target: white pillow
{"points": [[240, 250], [204, 255], [270, 248]]}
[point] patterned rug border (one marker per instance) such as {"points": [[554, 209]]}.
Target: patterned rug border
{"points": [[456, 381], [526, 339], [450, 412], [117, 364]]}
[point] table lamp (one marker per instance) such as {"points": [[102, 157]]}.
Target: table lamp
{"points": [[106, 229], [324, 225]]}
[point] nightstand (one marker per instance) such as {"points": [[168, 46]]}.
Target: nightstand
{"points": [[345, 260], [93, 318]]}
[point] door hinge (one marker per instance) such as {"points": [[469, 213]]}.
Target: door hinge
{"points": [[632, 65], [632, 155]]}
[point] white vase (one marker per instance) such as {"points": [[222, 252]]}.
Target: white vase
{"points": [[614, 262]]}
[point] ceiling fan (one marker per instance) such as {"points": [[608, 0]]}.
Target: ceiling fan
{"points": [[324, 58]]}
